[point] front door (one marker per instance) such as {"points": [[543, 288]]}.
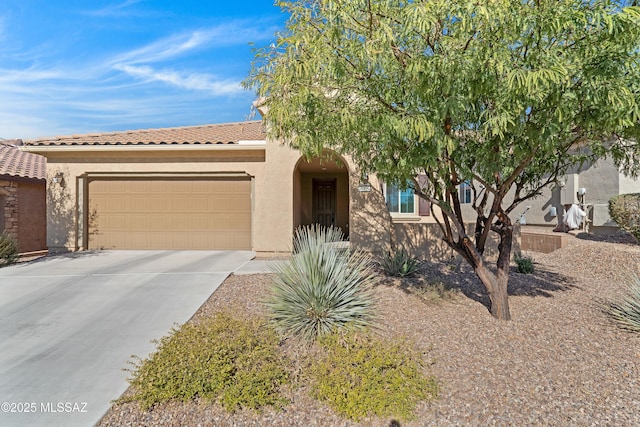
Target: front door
{"points": [[324, 202]]}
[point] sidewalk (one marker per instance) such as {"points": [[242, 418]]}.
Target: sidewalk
{"points": [[256, 266]]}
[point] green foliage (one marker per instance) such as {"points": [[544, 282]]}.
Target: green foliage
{"points": [[399, 263], [220, 358], [625, 309], [625, 210], [322, 287], [524, 263], [505, 95], [360, 376], [8, 250]]}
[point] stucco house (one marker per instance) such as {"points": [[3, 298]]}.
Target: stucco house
{"points": [[225, 186], [590, 187], [22, 196], [219, 186]]}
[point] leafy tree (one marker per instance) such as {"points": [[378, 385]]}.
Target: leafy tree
{"points": [[506, 95]]}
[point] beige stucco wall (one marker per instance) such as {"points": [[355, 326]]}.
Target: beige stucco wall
{"points": [[277, 185], [271, 218]]}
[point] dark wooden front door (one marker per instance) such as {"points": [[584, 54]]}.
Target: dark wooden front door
{"points": [[324, 202]]}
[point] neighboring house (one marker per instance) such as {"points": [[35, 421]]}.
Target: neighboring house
{"points": [[22, 196], [589, 187], [219, 186]]}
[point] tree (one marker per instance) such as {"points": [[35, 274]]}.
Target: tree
{"points": [[504, 95]]}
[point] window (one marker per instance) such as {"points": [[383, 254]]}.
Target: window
{"points": [[400, 201], [465, 193]]}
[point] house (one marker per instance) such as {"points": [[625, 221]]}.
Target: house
{"points": [[590, 187], [22, 196], [223, 186]]}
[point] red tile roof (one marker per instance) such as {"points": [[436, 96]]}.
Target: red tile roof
{"points": [[225, 133], [18, 163]]}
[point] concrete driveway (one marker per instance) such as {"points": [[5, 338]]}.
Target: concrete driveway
{"points": [[69, 324]]}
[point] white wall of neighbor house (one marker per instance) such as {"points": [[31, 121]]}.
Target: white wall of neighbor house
{"points": [[629, 185], [601, 180]]}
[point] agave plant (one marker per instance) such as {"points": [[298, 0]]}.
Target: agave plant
{"points": [[625, 310], [322, 288], [399, 263]]}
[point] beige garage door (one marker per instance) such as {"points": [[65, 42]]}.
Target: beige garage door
{"points": [[169, 214]]}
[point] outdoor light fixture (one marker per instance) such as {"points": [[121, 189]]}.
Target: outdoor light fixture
{"points": [[582, 191], [58, 179]]}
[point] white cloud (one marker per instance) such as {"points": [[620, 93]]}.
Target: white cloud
{"points": [[113, 9], [192, 81]]}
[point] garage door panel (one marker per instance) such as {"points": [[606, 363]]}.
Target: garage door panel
{"points": [[170, 214]]}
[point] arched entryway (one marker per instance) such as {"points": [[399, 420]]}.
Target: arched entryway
{"points": [[321, 192]]}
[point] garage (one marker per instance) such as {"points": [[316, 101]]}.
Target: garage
{"points": [[169, 213]]}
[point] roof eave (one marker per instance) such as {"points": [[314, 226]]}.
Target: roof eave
{"points": [[245, 146]]}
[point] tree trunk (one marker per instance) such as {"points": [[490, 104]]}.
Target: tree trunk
{"points": [[497, 284], [497, 288]]}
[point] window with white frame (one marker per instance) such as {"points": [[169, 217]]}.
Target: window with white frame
{"points": [[465, 193], [400, 201]]}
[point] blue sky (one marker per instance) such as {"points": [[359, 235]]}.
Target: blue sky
{"points": [[71, 66]]}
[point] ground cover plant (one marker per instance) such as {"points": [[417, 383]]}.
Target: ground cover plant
{"points": [[234, 362], [364, 376], [322, 287]]}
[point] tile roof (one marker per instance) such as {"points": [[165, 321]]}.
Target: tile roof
{"points": [[225, 133], [18, 163]]}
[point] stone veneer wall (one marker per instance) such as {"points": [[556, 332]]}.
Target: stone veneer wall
{"points": [[10, 208]]}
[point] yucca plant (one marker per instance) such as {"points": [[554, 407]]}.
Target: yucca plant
{"points": [[399, 263], [625, 309], [8, 250], [322, 288]]}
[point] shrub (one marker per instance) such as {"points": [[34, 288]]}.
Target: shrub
{"points": [[434, 293], [360, 376], [234, 362], [625, 309], [8, 250], [399, 263], [625, 210], [524, 263], [322, 287]]}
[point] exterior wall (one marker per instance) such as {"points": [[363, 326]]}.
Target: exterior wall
{"points": [[628, 185], [10, 212], [601, 180], [32, 217], [24, 213], [271, 169]]}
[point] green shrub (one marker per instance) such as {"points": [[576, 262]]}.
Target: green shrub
{"points": [[399, 263], [625, 210], [8, 250], [234, 362], [322, 287], [360, 376], [625, 309], [524, 263]]}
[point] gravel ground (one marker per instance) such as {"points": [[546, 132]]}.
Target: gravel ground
{"points": [[559, 362]]}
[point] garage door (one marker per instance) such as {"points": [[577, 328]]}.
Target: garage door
{"points": [[169, 214]]}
